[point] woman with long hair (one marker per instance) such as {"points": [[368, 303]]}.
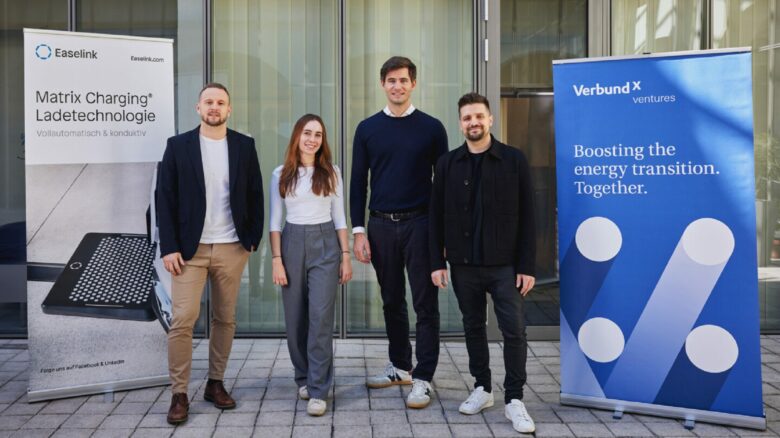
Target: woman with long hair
{"points": [[311, 256]]}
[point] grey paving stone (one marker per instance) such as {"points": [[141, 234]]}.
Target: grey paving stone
{"points": [[201, 432], [272, 432], [160, 407], [145, 395], [575, 415], [354, 418], [45, 421], [13, 422], [84, 421], [351, 431], [304, 419], [311, 432], [200, 421], [233, 432], [281, 418], [127, 408], [668, 429], [23, 409], [152, 433], [504, 429], [629, 429], [73, 433], [431, 430], [155, 421], [277, 405], [113, 433], [553, 430], [590, 430], [202, 407], [400, 430], [33, 433], [121, 422], [351, 404], [235, 420], [351, 391], [388, 417], [382, 404], [393, 391], [470, 430], [431, 415], [455, 417]]}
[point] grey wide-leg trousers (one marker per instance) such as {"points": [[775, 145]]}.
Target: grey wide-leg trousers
{"points": [[311, 255]]}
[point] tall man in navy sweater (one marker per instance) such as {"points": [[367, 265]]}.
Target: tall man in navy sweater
{"points": [[399, 146]]}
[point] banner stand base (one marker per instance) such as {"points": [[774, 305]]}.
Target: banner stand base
{"points": [[689, 416], [100, 388]]}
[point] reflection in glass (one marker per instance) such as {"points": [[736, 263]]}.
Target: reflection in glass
{"points": [[535, 32], [654, 26], [35, 14], [279, 60], [437, 36], [755, 24]]}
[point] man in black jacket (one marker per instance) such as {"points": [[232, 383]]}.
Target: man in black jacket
{"points": [[210, 215], [482, 223]]}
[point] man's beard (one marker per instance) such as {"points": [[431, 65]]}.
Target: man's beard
{"points": [[476, 136], [219, 122]]}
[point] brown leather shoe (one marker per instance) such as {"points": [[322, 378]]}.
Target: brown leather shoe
{"points": [[215, 392], [180, 406]]}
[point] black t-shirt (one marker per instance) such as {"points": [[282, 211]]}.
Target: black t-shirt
{"points": [[476, 205]]}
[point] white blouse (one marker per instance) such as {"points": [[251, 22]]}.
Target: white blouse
{"points": [[304, 207]]}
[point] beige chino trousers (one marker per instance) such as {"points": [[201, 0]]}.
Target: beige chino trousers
{"points": [[223, 264]]}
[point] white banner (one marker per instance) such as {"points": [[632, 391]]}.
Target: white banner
{"points": [[99, 109], [93, 98]]}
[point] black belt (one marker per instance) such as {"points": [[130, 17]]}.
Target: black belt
{"points": [[397, 217]]}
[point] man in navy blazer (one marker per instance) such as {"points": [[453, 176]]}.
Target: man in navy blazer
{"points": [[210, 216]]}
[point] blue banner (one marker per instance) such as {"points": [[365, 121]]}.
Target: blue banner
{"points": [[657, 235]]}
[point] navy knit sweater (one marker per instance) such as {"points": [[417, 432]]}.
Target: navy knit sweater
{"points": [[400, 153]]}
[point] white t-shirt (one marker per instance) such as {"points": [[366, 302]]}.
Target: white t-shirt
{"points": [[304, 207], [218, 226]]}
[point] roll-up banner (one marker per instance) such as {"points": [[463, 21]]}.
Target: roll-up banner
{"points": [[657, 229], [98, 110]]}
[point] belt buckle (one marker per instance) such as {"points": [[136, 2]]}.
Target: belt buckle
{"points": [[394, 218]]}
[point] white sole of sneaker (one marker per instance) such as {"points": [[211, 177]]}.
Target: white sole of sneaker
{"points": [[417, 405], [532, 430], [387, 385], [489, 404]]}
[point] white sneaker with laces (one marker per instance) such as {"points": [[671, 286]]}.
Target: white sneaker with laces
{"points": [[521, 421], [303, 392], [420, 396], [390, 376], [477, 401], [316, 407]]}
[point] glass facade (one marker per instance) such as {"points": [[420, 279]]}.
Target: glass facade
{"points": [[533, 34], [14, 17], [282, 59], [665, 25]]}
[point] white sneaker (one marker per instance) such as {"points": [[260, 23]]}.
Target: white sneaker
{"points": [[477, 401], [303, 392], [420, 396], [521, 421], [316, 407], [390, 376]]}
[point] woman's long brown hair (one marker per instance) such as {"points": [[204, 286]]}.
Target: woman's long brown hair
{"points": [[324, 181]]}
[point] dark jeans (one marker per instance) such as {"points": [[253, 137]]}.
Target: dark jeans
{"points": [[395, 245], [470, 284]]}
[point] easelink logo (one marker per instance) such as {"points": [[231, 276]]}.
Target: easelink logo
{"points": [[43, 51]]}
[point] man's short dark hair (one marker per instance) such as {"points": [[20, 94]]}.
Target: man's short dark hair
{"points": [[472, 98], [397, 63], [214, 85]]}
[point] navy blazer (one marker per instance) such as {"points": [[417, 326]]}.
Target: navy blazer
{"points": [[181, 200]]}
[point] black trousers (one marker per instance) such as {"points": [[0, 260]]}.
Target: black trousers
{"points": [[395, 245], [470, 284]]}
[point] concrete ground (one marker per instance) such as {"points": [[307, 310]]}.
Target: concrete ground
{"points": [[259, 375]]}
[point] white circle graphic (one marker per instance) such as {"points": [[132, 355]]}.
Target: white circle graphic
{"points": [[598, 239], [708, 241], [601, 340], [711, 348]]}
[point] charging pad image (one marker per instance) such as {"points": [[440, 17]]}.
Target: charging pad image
{"points": [[110, 275]]}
